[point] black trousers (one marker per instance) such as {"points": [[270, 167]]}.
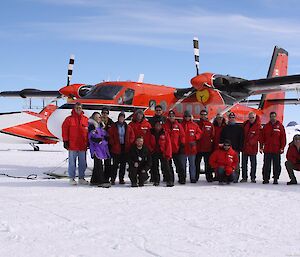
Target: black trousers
{"points": [[98, 172], [119, 160], [268, 159], [178, 164], [253, 162], [290, 167], [137, 176], [208, 170], [107, 169], [166, 170]]}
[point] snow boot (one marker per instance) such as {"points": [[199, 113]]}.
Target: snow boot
{"points": [[72, 182], [82, 181], [292, 182]]}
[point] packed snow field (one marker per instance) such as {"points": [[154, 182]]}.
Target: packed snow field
{"points": [[48, 217]]}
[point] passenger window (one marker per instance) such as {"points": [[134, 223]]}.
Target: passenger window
{"points": [[128, 96], [152, 104]]}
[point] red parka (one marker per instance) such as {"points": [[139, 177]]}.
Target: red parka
{"points": [[251, 136], [293, 155], [205, 143], [140, 128], [177, 135], [218, 130], [114, 141], [273, 138], [222, 158], [192, 134], [163, 145], [75, 131]]}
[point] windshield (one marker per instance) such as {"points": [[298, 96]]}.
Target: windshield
{"points": [[104, 92]]}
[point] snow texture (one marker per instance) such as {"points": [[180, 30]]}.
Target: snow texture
{"points": [[48, 217]]}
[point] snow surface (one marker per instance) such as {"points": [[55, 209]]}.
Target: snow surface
{"points": [[51, 218]]}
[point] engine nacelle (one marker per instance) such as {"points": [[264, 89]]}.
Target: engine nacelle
{"points": [[75, 90]]}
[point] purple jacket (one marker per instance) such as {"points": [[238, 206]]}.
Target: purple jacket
{"points": [[98, 143]]}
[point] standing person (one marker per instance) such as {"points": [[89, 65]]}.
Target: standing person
{"points": [[121, 138], [234, 132], [139, 124], [219, 123], [224, 161], [140, 162], [205, 146], [192, 135], [75, 138], [159, 143], [252, 129], [157, 116], [273, 141], [293, 159], [99, 149], [177, 135], [108, 122]]}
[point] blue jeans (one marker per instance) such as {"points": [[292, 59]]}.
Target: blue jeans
{"points": [[192, 166], [73, 155], [223, 177]]}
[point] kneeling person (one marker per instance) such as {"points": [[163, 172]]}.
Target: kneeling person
{"points": [[293, 159], [140, 162], [224, 161]]}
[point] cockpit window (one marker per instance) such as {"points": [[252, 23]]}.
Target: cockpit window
{"points": [[104, 92]]}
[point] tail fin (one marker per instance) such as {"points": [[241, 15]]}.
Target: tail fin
{"points": [[278, 67]]}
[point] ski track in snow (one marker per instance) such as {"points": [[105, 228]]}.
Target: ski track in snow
{"points": [[50, 218]]}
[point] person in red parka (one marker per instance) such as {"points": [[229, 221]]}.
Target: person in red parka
{"points": [[252, 130], [192, 134], [219, 123], [121, 138], [205, 146], [273, 141], [160, 147], [139, 124], [177, 135], [224, 161], [75, 138], [293, 159]]}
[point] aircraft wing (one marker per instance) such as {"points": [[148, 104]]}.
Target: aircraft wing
{"points": [[291, 101], [31, 92], [262, 86]]}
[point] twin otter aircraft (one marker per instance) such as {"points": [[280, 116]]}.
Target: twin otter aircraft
{"points": [[213, 92]]}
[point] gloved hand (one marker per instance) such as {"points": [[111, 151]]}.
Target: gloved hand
{"points": [[192, 144], [181, 149], [66, 145]]}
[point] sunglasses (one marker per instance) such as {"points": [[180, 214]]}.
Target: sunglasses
{"points": [[226, 145], [203, 114]]}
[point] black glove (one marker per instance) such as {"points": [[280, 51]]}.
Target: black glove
{"points": [[181, 149], [66, 145]]}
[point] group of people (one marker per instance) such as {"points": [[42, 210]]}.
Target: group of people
{"points": [[144, 144]]}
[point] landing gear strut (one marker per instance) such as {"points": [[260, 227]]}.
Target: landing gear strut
{"points": [[35, 147]]}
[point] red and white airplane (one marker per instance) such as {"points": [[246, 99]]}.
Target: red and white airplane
{"points": [[214, 92]]}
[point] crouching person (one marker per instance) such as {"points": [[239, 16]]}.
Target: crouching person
{"points": [[99, 149], [139, 159], [224, 161], [293, 159]]}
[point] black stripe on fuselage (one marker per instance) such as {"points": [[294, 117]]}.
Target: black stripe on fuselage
{"points": [[95, 107]]}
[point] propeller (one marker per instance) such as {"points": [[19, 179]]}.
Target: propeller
{"points": [[70, 68], [196, 54]]}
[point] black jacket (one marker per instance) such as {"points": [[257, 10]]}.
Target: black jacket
{"points": [[235, 133], [141, 156]]}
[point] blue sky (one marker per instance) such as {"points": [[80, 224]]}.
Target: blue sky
{"points": [[119, 39]]}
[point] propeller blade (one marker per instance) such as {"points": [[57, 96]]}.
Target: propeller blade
{"points": [[196, 54], [70, 68]]}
